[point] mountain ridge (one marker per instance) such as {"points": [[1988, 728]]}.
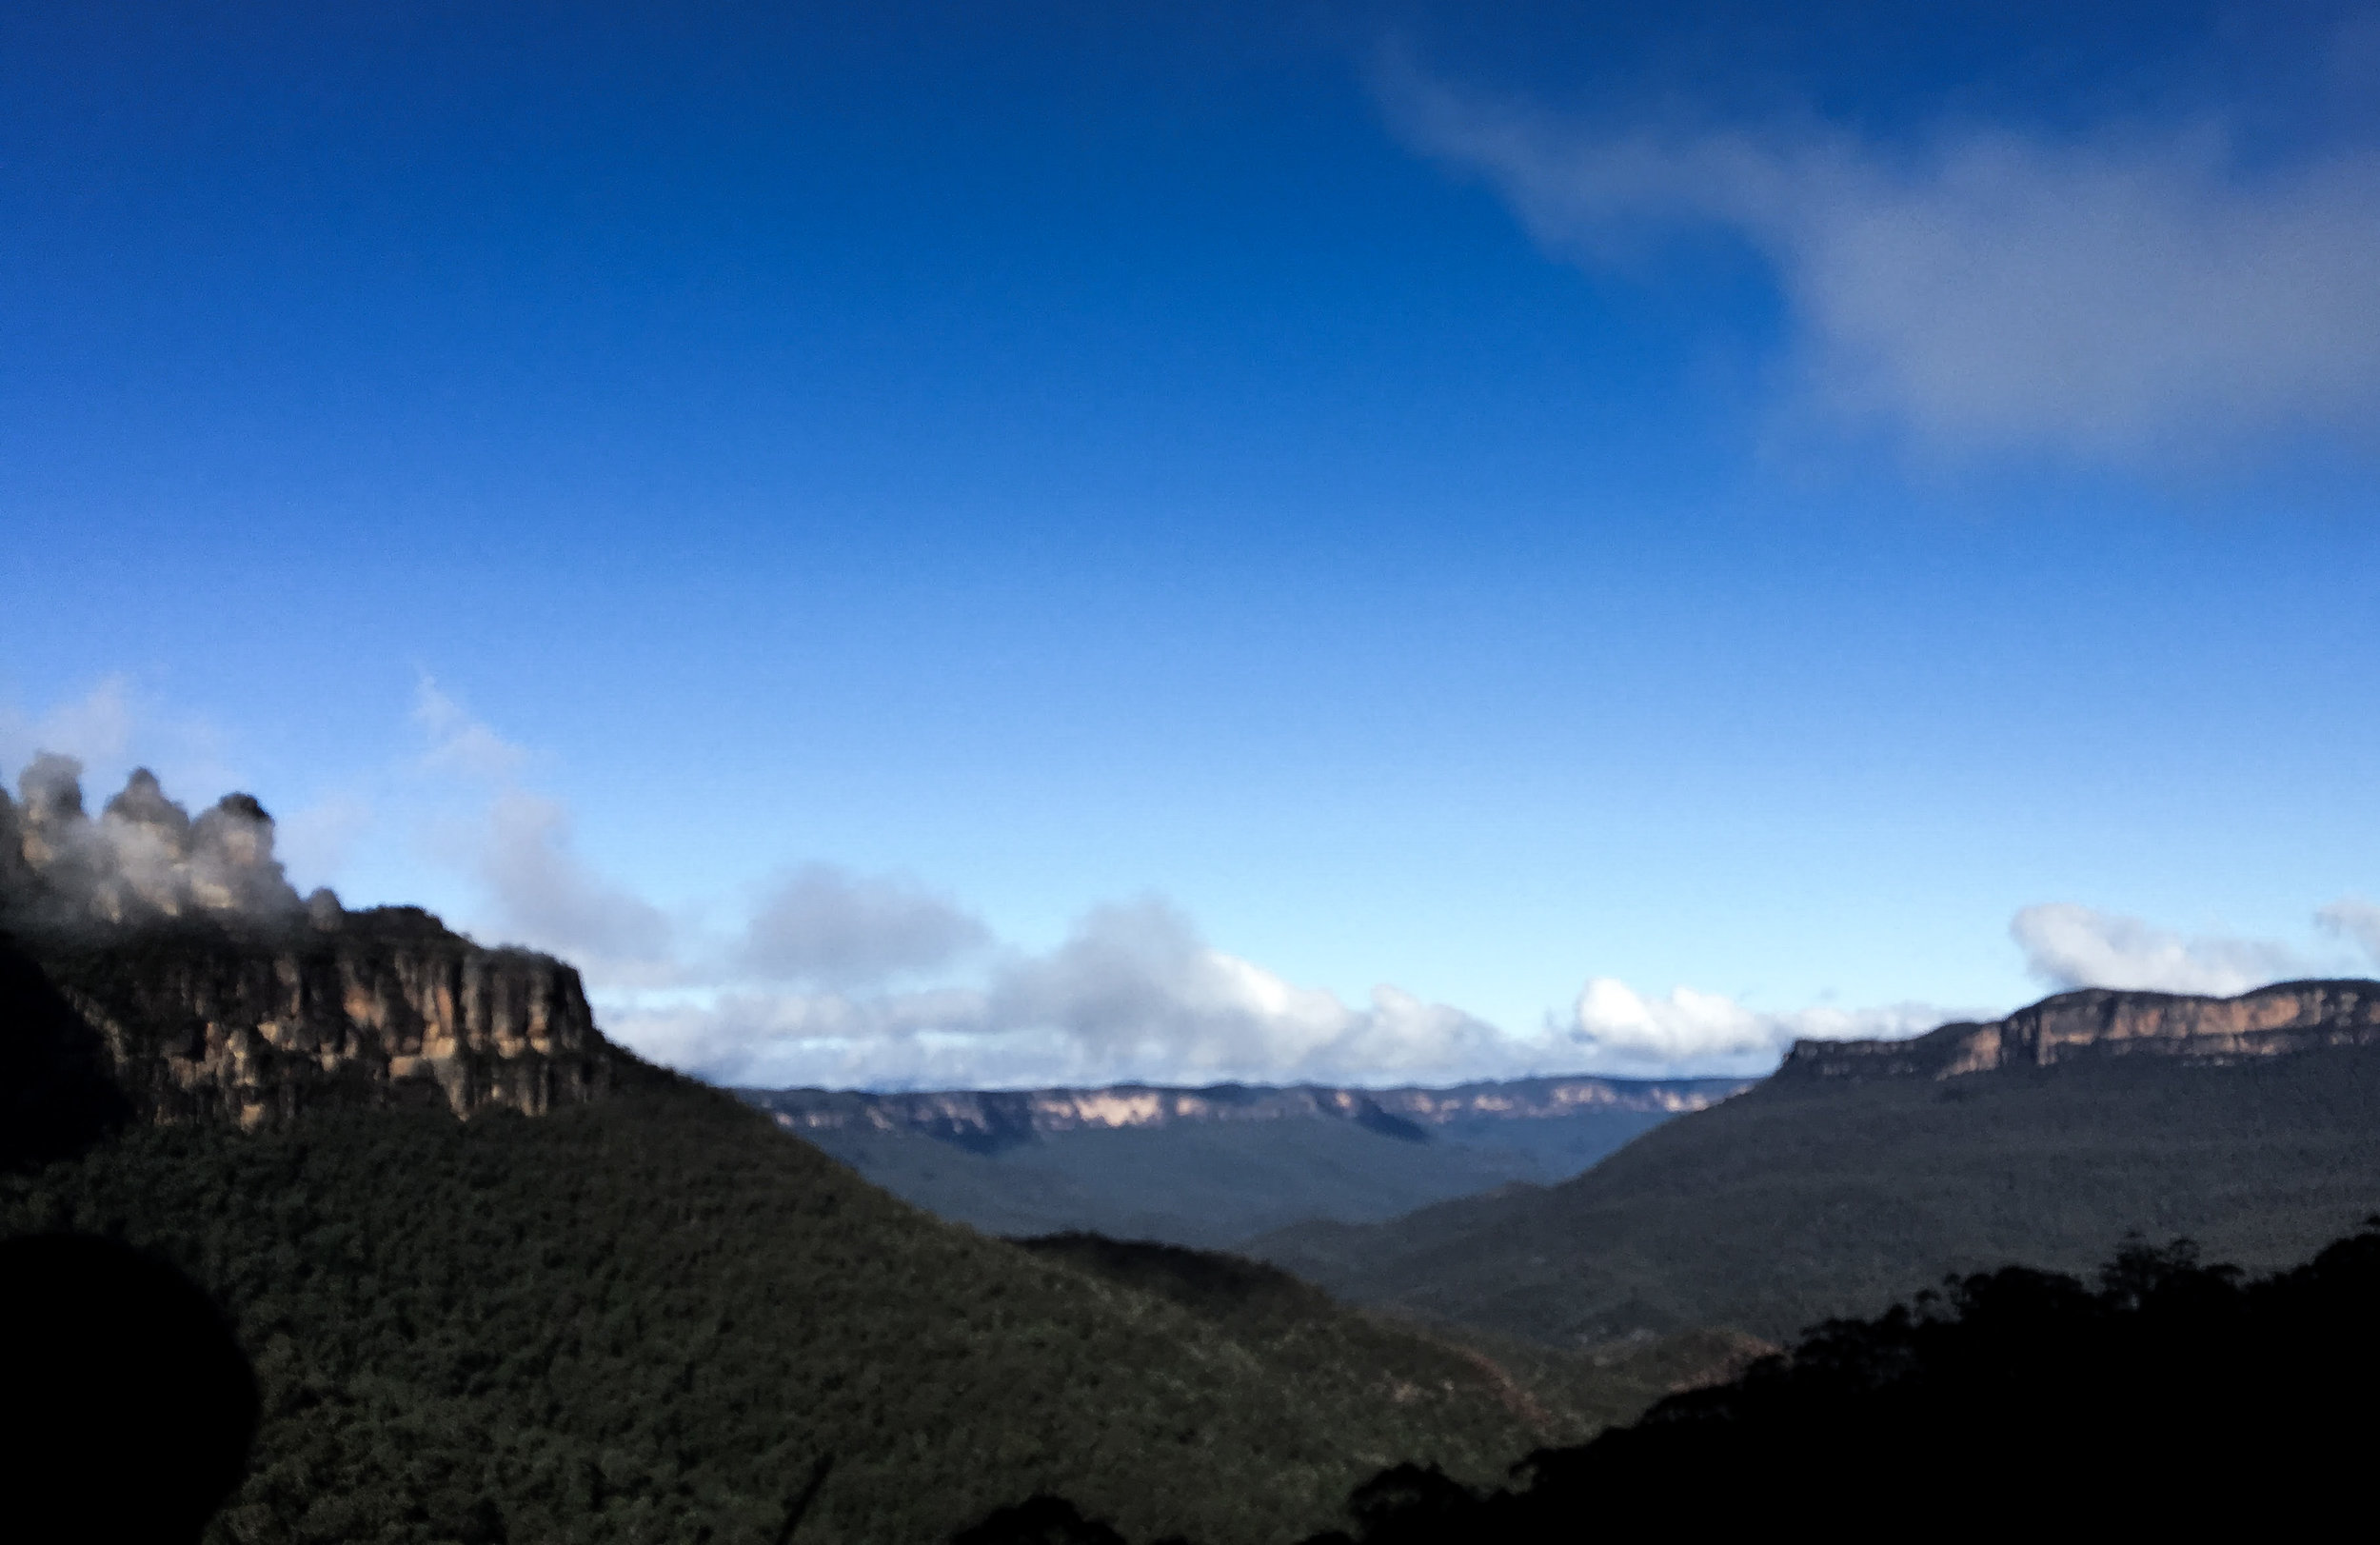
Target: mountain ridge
{"points": [[2271, 1020], [987, 1120], [1864, 1174], [1212, 1167], [501, 1279]]}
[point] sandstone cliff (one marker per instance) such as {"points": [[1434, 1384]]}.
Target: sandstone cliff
{"points": [[216, 993], [2097, 1022], [391, 1009], [988, 1120]]}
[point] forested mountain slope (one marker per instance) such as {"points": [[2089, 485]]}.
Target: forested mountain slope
{"points": [[1836, 1189], [650, 1317], [501, 1280]]}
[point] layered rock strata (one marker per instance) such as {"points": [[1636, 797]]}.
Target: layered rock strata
{"points": [[2097, 1022], [988, 1120], [216, 993], [391, 1009]]}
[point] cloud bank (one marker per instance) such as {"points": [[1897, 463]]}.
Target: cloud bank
{"points": [[823, 924], [836, 976], [544, 894], [1618, 1029], [1133, 991], [2070, 946], [847, 979], [839, 978], [2122, 296]]}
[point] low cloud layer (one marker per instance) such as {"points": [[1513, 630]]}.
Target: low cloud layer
{"points": [[2068, 946], [1133, 991], [1619, 1028], [457, 743], [542, 893], [2356, 920], [143, 859], [97, 726], [845, 979], [840, 978], [2125, 295], [824, 925], [834, 976]]}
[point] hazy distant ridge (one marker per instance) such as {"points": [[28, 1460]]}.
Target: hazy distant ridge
{"points": [[1212, 1166], [985, 1121], [1865, 1171]]}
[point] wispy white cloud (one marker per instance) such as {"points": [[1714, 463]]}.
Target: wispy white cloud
{"points": [[1621, 1029], [2066, 945], [844, 977], [518, 846], [1133, 991], [2134, 293], [457, 743], [2356, 920], [97, 726], [825, 925], [317, 839], [541, 893], [112, 725]]}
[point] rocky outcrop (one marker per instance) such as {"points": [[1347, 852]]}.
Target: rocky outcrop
{"points": [[209, 990], [389, 1008], [144, 860], [2098, 1023]]}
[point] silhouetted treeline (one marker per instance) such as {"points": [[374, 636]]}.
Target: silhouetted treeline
{"points": [[2168, 1394]]}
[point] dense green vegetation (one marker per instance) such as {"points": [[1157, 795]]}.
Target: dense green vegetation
{"points": [[653, 1317], [2167, 1397], [1566, 1395], [2170, 1397], [1803, 1199]]}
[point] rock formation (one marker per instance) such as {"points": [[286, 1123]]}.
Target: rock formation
{"points": [[990, 1121], [216, 993], [2098, 1021]]}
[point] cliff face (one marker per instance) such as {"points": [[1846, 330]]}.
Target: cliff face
{"points": [[386, 1009], [988, 1120], [2097, 1021], [192, 973]]}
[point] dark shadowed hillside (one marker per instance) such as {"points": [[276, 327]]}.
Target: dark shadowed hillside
{"points": [[649, 1317], [1303, 1334], [2167, 1400], [501, 1280], [1824, 1192]]}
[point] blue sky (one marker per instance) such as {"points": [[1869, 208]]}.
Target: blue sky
{"points": [[951, 544]]}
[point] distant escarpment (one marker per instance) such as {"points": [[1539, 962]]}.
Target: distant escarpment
{"points": [[2101, 1022], [1209, 1167], [990, 1121], [1865, 1172], [179, 961]]}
